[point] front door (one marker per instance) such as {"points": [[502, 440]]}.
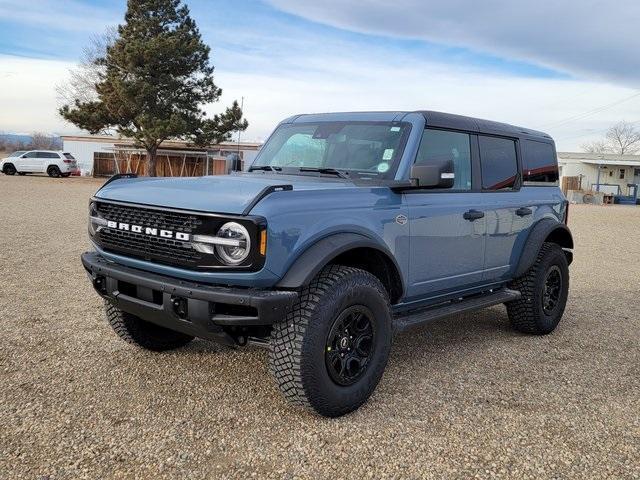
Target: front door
{"points": [[447, 235], [28, 162]]}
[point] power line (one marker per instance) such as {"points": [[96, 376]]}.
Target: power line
{"points": [[590, 112], [600, 130]]}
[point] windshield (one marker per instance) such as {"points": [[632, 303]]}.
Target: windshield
{"points": [[362, 148]]}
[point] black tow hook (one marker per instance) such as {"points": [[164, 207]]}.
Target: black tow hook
{"points": [[180, 307], [100, 284]]}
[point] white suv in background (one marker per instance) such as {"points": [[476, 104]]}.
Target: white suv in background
{"points": [[53, 163]]}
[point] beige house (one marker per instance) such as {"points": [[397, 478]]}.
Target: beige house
{"points": [[607, 173], [103, 155]]}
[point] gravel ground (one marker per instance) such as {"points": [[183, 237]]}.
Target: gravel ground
{"points": [[464, 397]]}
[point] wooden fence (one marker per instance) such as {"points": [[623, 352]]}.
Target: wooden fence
{"points": [[167, 165], [571, 183]]}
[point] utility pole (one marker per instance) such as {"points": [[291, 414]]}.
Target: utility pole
{"points": [[238, 166], [242, 110]]}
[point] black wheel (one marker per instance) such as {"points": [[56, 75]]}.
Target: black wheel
{"points": [[544, 289], [53, 171], [9, 169], [145, 335], [331, 350]]}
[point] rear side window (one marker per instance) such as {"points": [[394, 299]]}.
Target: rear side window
{"points": [[499, 163], [539, 163], [49, 155], [438, 145], [68, 156]]}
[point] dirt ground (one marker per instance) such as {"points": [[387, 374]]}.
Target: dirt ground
{"points": [[462, 397]]}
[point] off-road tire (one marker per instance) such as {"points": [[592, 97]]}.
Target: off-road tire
{"points": [[143, 334], [9, 169], [298, 344], [527, 314], [54, 171]]}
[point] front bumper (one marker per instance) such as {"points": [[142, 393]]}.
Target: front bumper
{"points": [[191, 308]]}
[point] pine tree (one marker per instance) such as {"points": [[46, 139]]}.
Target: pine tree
{"points": [[154, 80]]}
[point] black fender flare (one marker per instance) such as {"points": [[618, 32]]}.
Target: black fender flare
{"points": [[317, 256], [545, 229]]}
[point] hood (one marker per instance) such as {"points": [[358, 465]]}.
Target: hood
{"points": [[215, 194]]}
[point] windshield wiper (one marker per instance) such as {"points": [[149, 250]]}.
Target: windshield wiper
{"points": [[266, 168], [328, 171]]}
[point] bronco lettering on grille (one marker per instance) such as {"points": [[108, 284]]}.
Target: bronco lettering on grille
{"points": [[127, 227]]}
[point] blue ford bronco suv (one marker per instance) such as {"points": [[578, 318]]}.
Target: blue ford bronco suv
{"points": [[346, 228]]}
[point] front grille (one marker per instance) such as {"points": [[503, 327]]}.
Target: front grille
{"points": [[164, 250], [169, 251], [180, 222]]}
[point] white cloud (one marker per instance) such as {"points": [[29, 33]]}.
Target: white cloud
{"points": [[27, 94], [588, 38], [343, 79], [70, 16]]}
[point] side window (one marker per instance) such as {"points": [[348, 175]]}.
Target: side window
{"points": [[499, 162], [49, 155], [442, 145], [539, 163], [300, 149], [32, 155]]}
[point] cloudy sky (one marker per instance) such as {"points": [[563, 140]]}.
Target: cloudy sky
{"points": [[570, 67]]}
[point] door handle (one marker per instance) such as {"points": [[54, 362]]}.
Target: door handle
{"points": [[472, 215], [524, 211]]}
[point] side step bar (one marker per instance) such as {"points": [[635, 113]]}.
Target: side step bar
{"points": [[414, 318]]}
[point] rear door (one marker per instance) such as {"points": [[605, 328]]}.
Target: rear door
{"points": [[446, 249], [45, 159], [506, 214]]}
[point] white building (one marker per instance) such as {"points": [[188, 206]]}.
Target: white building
{"points": [[104, 155], [607, 173]]}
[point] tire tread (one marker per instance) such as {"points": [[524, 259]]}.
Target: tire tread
{"points": [[143, 334]]}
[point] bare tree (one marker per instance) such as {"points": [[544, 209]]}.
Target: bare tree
{"points": [[81, 85], [596, 147], [42, 141], [623, 138]]}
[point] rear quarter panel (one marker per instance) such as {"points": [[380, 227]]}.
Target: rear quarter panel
{"points": [[546, 202]]}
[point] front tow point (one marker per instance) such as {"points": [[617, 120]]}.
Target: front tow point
{"points": [[180, 307]]}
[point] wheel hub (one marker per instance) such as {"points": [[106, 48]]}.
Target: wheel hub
{"points": [[551, 290], [349, 345]]}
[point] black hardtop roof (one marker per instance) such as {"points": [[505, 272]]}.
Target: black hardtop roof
{"points": [[460, 122], [433, 119]]}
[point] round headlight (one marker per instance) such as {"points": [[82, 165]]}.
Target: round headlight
{"points": [[93, 214], [239, 246]]}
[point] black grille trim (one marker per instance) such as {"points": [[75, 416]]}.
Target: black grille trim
{"points": [[170, 251]]}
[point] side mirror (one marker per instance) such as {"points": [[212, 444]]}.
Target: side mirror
{"points": [[438, 174]]}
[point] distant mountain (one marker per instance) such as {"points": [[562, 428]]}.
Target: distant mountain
{"points": [[15, 137], [23, 140]]}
